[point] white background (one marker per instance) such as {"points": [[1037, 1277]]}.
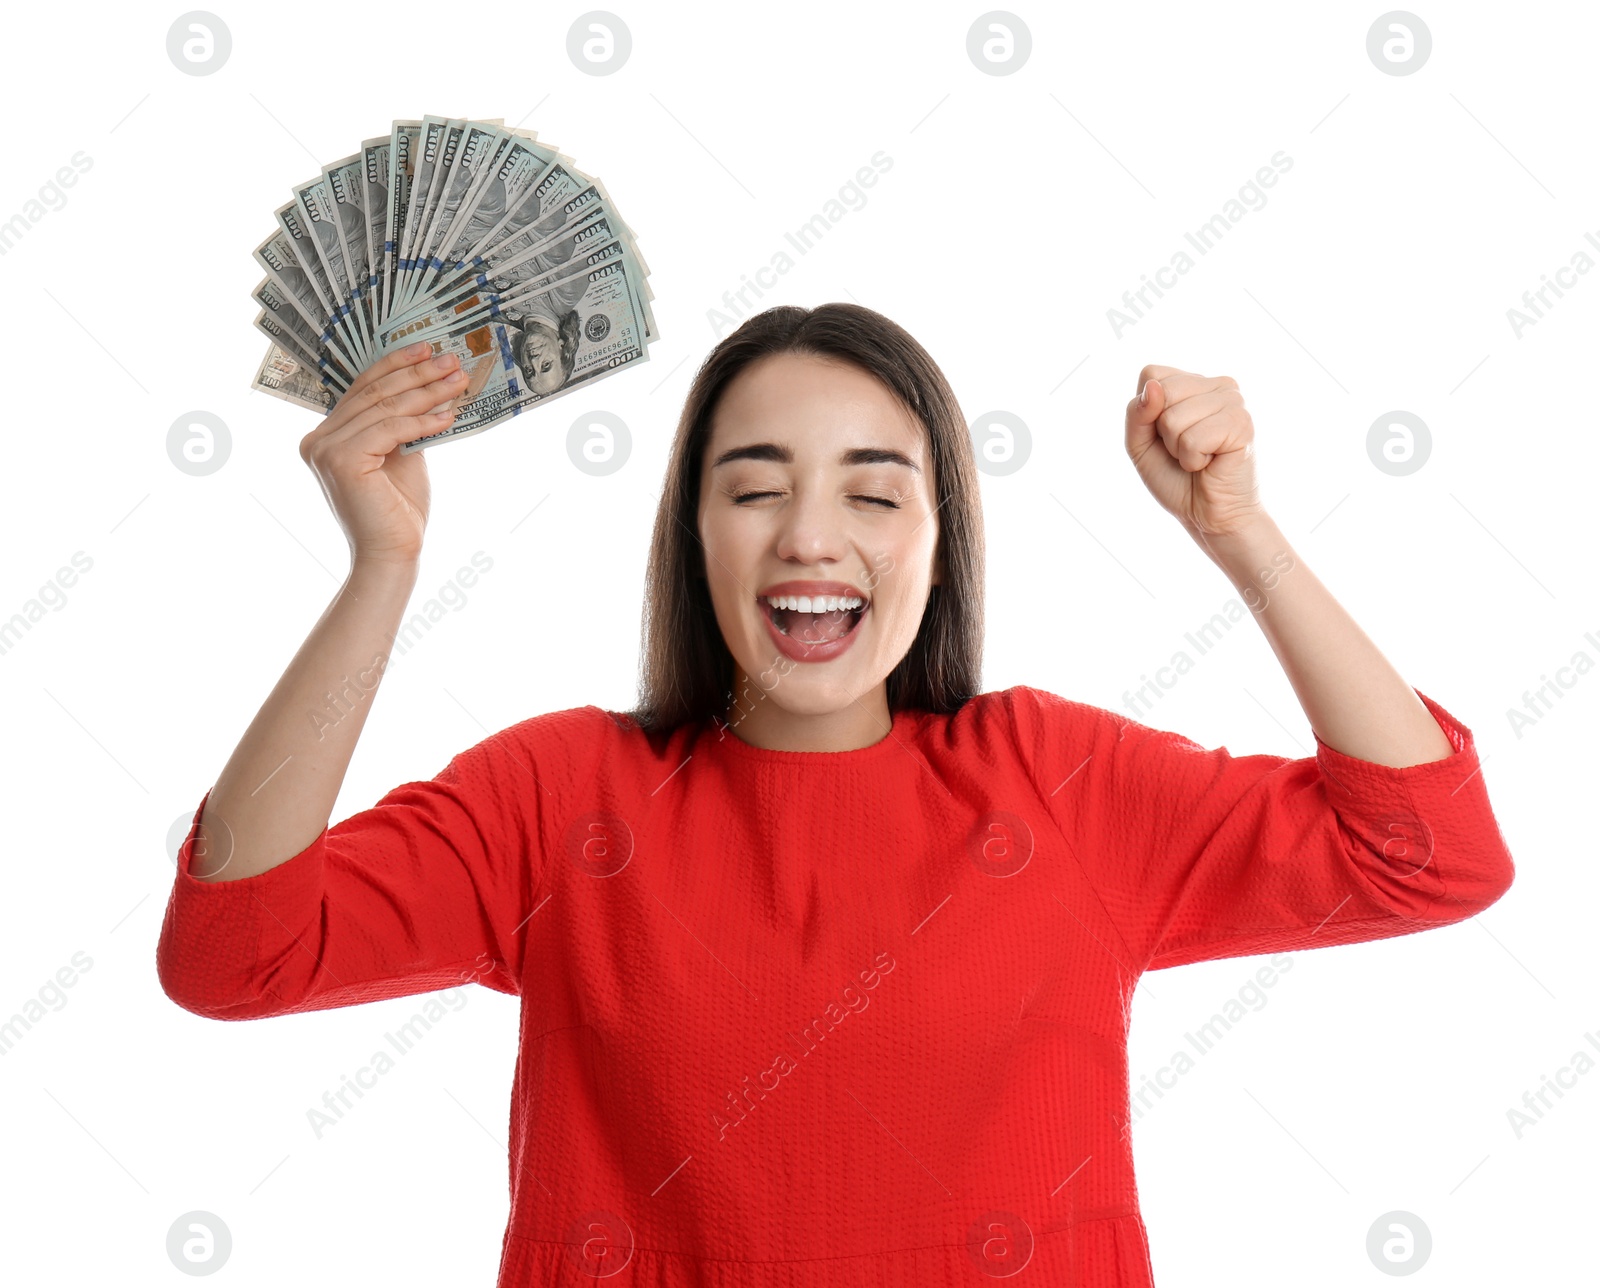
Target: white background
{"points": [[1019, 208]]}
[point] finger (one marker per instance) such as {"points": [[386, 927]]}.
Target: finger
{"points": [[1204, 425], [382, 437], [1197, 446], [1154, 371], [401, 360], [1180, 414], [1184, 384], [1142, 431], [440, 369], [406, 376], [354, 399], [1189, 455], [396, 360], [410, 405], [357, 404]]}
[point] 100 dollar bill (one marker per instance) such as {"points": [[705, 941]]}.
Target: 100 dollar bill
{"points": [[553, 343]]}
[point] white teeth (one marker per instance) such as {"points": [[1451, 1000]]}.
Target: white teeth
{"points": [[817, 604]]}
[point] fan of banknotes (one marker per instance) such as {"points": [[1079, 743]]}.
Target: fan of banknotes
{"points": [[476, 238]]}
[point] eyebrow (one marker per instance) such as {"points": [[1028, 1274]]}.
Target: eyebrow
{"points": [[784, 455]]}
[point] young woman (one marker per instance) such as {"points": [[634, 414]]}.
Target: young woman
{"points": [[825, 958]]}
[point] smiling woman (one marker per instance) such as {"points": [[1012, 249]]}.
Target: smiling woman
{"points": [[812, 781]]}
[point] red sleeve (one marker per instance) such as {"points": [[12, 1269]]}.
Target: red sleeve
{"points": [[1198, 854], [427, 889]]}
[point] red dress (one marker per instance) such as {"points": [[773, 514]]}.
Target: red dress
{"points": [[833, 1018]]}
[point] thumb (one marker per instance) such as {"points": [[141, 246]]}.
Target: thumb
{"points": [[1142, 412], [1152, 401]]}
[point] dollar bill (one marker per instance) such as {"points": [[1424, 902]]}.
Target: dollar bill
{"points": [[278, 320], [315, 207], [375, 201], [283, 377], [403, 137], [277, 256], [347, 189], [437, 144], [554, 342]]}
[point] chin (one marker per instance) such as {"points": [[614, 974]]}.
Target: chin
{"points": [[818, 698], [800, 689]]}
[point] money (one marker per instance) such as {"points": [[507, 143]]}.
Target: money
{"points": [[475, 237], [283, 377]]}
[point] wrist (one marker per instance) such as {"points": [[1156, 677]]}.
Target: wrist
{"points": [[368, 572], [1245, 551]]}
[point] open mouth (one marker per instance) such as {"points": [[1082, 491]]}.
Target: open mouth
{"points": [[813, 628]]}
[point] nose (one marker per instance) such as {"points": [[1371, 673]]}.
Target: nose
{"points": [[812, 528]]}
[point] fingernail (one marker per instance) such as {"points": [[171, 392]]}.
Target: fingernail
{"points": [[445, 360], [416, 349], [1144, 394]]}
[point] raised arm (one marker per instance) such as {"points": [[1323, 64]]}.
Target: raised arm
{"points": [[1196, 853], [1192, 441], [262, 826], [278, 788]]}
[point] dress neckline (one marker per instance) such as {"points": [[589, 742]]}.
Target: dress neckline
{"points": [[722, 736]]}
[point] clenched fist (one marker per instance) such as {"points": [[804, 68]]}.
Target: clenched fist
{"points": [[1192, 441]]}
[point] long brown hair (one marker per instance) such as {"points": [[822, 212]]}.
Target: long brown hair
{"points": [[686, 670]]}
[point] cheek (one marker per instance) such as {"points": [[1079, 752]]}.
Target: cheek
{"points": [[723, 561], [714, 542], [907, 557]]}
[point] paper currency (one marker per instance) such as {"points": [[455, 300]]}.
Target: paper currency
{"points": [[467, 234]]}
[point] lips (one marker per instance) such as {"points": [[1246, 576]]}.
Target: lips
{"points": [[802, 651]]}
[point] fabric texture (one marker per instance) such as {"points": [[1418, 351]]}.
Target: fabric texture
{"points": [[833, 1018]]}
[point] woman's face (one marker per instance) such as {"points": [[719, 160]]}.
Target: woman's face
{"points": [[839, 489]]}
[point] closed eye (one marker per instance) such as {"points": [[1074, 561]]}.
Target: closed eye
{"points": [[750, 496]]}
